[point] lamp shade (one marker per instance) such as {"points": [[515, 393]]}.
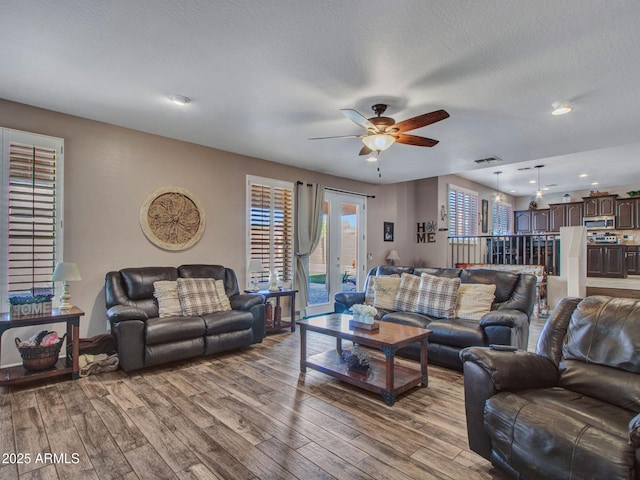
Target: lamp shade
{"points": [[378, 142], [393, 255], [255, 265], [66, 272]]}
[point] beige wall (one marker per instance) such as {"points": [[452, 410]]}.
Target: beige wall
{"points": [[110, 170]]}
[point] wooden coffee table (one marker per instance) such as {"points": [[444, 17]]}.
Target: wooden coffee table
{"points": [[384, 376]]}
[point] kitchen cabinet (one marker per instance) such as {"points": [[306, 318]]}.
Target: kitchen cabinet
{"points": [[606, 261], [531, 221], [627, 215], [540, 220], [522, 221], [565, 215], [632, 259], [599, 206]]}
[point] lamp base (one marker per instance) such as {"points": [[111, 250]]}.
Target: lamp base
{"points": [[65, 297]]}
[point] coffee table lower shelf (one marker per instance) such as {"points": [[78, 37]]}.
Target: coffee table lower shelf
{"points": [[374, 380]]}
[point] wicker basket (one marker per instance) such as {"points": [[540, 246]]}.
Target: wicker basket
{"points": [[40, 357]]}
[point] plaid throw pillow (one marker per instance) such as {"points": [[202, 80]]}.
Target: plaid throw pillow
{"points": [[166, 292], [199, 296], [437, 296], [407, 297]]}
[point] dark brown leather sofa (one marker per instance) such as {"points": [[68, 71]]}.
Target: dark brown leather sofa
{"points": [[507, 323], [144, 339], [569, 410]]}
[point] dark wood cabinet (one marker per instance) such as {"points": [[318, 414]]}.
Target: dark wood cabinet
{"points": [[531, 221], [573, 216], [606, 261], [627, 214], [522, 221], [599, 206], [631, 254], [540, 220], [556, 217], [565, 215]]}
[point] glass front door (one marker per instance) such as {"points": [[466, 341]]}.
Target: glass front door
{"points": [[337, 263]]}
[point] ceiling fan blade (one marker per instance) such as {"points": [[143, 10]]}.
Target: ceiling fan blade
{"points": [[415, 140], [357, 118], [365, 150], [421, 121], [339, 136]]}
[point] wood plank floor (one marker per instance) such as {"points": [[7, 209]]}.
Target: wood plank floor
{"points": [[241, 415]]}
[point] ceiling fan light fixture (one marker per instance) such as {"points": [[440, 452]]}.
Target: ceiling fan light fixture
{"points": [[560, 108], [379, 141]]}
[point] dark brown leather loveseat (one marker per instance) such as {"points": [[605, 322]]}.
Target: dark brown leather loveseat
{"points": [[569, 410], [144, 339], [507, 323]]}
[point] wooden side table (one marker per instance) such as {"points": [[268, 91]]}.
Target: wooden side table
{"points": [[18, 374], [275, 322]]}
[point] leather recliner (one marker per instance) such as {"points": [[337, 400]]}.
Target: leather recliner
{"points": [[569, 410], [144, 339], [507, 323]]}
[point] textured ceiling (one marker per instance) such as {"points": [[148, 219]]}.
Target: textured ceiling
{"points": [[265, 76]]}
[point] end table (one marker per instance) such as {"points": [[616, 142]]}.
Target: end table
{"points": [[275, 321], [70, 316]]}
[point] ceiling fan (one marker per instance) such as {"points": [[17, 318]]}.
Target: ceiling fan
{"points": [[382, 132]]}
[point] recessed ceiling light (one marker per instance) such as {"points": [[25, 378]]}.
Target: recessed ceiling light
{"points": [[512, 191], [179, 99], [595, 183], [560, 108], [372, 159], [582, 175], [532, 181], [545, 188]]}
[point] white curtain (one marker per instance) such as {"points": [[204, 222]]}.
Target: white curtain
{"points": [[309, 209]]}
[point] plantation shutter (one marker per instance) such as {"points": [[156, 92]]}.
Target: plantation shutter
{"points": [[463, 212], [501, 218], [271, 226], [31, 173], [32, 216]]}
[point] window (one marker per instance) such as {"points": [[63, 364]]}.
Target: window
{"points": [[463, 212], [501, 218], [270, 216], [31, 215]]}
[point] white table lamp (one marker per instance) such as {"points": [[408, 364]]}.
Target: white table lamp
{"points": [[66, 272], [255, 266], [393, 257]]}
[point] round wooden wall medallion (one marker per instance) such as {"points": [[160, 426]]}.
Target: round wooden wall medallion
{"points": [[172, 218]]}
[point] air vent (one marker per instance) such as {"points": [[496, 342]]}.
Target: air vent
{"points": [[488, 160], [522, 169]]}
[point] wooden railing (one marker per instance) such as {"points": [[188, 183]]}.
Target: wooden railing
{"points": [[507, 250]]}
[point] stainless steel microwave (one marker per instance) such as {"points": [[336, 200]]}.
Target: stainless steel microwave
{"points": [[599, 223]]}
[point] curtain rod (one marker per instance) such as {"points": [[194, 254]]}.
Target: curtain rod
{"points": [[340, 191]]}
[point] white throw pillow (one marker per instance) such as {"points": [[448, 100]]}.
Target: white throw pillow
{"points": [[475, 300], [385, 290], [166, 292]]}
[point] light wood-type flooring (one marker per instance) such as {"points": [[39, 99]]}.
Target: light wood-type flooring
{"points": [[246, 414]]}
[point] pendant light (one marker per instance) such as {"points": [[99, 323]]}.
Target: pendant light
{"points": [[539, 192], [498, 197]]}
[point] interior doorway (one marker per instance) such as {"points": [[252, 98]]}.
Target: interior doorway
{"points": [[337, 263]]}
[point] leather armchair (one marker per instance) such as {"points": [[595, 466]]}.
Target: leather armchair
{"points": [[569, 410]]}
